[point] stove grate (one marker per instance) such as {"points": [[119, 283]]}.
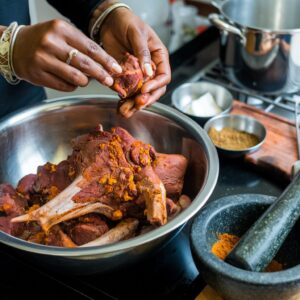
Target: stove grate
{"points": [[283, 105]]}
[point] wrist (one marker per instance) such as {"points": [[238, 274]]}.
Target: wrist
{"points": [[99, 10], [7, 41], [108, 8]]}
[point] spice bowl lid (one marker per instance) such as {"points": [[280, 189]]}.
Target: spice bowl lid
{"points": [[188, 92], [241, 123]]}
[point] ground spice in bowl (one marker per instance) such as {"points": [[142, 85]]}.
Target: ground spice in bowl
{"points": [[226, 242], [232, 139]]}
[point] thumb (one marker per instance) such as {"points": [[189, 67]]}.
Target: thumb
{"points": [[139, 43]]}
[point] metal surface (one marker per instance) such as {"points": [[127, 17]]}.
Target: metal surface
{"points": [[42, 133], [267, 59], [188, 92], [297, 123], [241, 123], [296, 166]]}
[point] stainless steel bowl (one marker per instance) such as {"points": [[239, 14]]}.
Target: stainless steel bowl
{"points": [[43, 133], [241, 123], [188, 92]]}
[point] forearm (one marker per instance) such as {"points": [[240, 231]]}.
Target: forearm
{"points": [[78, 11]]}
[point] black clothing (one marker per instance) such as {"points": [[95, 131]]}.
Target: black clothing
{"points": [[78, 11], [13, 97]]}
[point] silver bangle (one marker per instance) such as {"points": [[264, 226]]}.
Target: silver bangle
{"points": [[99, 22], [11, 52]]}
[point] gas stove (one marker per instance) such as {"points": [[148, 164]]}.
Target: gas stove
{"points": [[169, 273]]}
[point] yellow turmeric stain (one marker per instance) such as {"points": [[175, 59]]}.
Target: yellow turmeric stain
{"points": [[127, 197], [117, 215], [6, 206], [33, 208], [53, 191]]}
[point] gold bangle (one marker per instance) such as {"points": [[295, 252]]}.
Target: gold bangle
{"points": [[5, 50], [99, 22], [11, 50]]}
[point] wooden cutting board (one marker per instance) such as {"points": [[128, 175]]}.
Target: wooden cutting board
{"points": [[279, 151]]}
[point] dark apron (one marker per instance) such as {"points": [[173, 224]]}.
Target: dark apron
{"points": [[13, 97]]}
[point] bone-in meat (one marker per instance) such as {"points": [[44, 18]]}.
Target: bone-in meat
{"points": [[110, 188]]}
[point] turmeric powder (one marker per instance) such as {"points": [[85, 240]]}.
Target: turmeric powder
{"points": [[226, 242], [224, 245]]}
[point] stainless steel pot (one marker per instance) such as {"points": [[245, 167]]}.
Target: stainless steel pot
{"points": [[42, 133], [260, 43]]}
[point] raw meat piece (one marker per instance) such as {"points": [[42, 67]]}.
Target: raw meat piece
{"points": [[11, 203], [128, 85], [56, 237], [25, 185], [85, 229], [130, 82], [171, 169]]}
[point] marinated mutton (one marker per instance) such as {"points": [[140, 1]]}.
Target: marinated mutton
{"points": [[129, 83], [115, 181]]}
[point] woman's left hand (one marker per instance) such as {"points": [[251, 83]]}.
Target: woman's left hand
{"points": [[122, 32]]}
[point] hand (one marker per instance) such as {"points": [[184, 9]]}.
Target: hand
{"points": [[41, 51], [125, 32]]}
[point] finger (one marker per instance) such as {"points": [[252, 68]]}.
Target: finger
{"points": [[67, 73], [141, 100], [154, 96], [139, 42], [89, 67], [88, 47], [127, 109], [53, 82], [163, 72]]}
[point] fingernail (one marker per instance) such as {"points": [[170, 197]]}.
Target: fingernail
{"points": [[148, 69], [108, 81], [117, 68]]}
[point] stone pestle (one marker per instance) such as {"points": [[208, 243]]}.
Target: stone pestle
{"points": [[262, 241]]}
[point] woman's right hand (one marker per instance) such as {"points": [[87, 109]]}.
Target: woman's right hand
{"points": [[41, 51]]}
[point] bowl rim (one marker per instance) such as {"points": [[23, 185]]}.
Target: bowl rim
{"points": [[200, 199], [225, 111], [222, 268], [207, 126]]}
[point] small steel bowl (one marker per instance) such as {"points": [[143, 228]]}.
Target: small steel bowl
{"points": [[188, 92], [241, 123]]}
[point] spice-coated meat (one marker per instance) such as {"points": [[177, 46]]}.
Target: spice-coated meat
{"points": [[116, 181], [11, 203], [86, 228], [131, 80], [128, 85], [56, 237]]}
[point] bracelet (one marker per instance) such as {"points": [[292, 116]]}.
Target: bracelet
{"points": [[11, 52], [99, 22], [5, 54]]}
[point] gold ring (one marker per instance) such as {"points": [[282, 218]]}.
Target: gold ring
{"points": [[72, 54]]}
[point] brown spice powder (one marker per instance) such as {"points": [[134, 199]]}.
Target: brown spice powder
{"points": [[232, 139]]}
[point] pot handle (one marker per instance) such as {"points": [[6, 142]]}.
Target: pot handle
{"points": [[217, 21]]}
